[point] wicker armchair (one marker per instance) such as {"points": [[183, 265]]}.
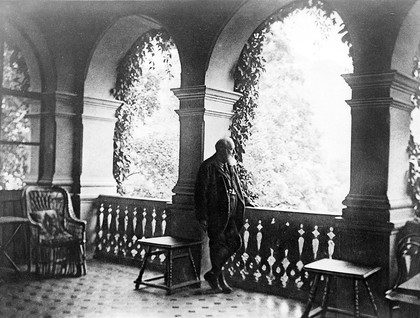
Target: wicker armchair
{"points": [[408, 257], [58, 238]]}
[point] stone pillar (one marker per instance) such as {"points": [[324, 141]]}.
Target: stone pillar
{"points": [[66, 144], [204, 115], [378, 203], [97, 131], [48, 141]]}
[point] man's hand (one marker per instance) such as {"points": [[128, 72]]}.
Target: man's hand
{"points": [[203, 225]]}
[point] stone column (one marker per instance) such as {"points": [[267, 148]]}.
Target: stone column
{"points": [[66, 144], [204, 115], [96, 155], [48, 141], [378, 203]]}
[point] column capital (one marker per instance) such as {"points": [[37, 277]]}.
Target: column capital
{"points": [[390, 89], [205, 115], [202, 91]]}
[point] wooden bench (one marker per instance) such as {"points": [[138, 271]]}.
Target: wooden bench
{"points": [[174, 249]]}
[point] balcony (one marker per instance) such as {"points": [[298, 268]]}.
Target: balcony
{"points": [[277, 244], [266, 271]]}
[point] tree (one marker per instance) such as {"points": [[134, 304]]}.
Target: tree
{"points": [[279, 144], [15, 125], [147, 133]]}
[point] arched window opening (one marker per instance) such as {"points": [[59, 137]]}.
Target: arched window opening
{"points": [[146, 142], [414, 142], [296, 151], [19, 119]]}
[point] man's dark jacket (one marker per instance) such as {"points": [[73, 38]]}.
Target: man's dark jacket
{"points": [[212, 196]]}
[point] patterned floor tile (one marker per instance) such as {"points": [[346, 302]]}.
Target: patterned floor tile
{"points": [[107, 291]]}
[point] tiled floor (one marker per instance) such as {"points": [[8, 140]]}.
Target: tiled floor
{"points": [[108, 291]]}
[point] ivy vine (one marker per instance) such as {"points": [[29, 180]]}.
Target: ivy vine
{"points": [[135, 105], [251, 65], [414, 146]]}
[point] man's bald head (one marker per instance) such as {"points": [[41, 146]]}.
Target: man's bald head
{"points": [[225, 148], [224, 143]]}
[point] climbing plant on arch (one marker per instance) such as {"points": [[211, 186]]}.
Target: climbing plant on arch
{"points": [[249, 69], [137, 104], [414, 144]]}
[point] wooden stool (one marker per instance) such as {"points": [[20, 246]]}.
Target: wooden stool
{"points": [[330, 268], [18, 222], [174, 248]]}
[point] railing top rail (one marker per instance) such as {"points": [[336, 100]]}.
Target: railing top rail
{"points": [[118, 197], [276, 210]]}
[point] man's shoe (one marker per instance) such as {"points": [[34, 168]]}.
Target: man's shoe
{"points": [[226, 289], [211, 278]]}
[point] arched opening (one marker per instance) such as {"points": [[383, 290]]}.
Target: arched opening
{"points": [[292, 127], [146, 140], [20, 114]]}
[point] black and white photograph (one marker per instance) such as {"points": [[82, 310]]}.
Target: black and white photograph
{"points": [[210, 158]]}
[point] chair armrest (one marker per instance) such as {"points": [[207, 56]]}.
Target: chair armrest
{"points": [[35, 229], [75, 221], [76, 227]]}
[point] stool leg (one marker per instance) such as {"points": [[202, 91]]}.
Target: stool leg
{"points": [[324, 304], [356, 298], [169, 267], [193, 264], [372, 299], [138, 281], [3, 249], [311, 296]]}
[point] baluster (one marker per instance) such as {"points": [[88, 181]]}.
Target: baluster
{"points": [[259, 239], [245, 256], [285, 262], [134, 250], [162, 257], [257, 273], [143, 223], [100, 227], [125, 235], [315, 241], [299, 264], [164, 222], [116, 236], [153, 221], [108, 234], [331, 244], [271, 260]]}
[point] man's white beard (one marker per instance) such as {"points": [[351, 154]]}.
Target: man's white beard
{"points": [[231, 160]]}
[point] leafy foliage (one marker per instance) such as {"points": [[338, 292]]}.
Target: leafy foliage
{"points": [[14, 123], [248, 74], [414, 143], [138, 87]]}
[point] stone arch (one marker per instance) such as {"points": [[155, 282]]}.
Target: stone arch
{"points": [[99, 105], [24, 33], [111, 47], [231, 40], [408, 42]]}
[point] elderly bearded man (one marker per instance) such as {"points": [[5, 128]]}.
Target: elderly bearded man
{"points": [[219, 208]]}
